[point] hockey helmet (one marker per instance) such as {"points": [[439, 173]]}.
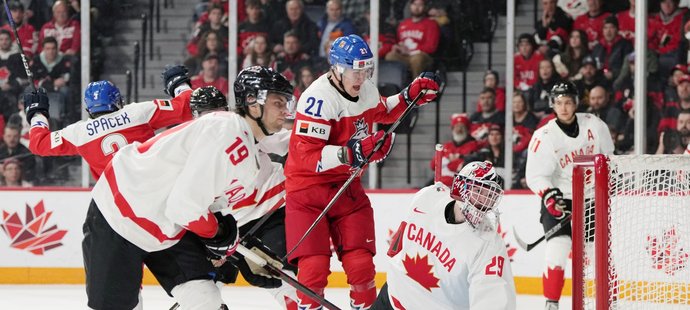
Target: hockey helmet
{"points": [[253, 85], [207, 98], [563, 89], [351, 52], [479, 189], [102, 97]]}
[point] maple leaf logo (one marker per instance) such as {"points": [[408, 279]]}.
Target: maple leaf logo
{"points": [[32, 235], [665, 253], [510, 249], [418, 269]]}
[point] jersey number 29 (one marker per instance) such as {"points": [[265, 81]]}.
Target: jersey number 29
{"points": [[495, 267]]}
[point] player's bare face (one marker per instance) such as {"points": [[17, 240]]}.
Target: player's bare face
{"points": [[275, 112], [564, 107]]}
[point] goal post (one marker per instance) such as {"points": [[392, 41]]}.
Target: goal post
{"points": [[631, 232]]}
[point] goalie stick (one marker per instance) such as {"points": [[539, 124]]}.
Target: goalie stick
{"points": [[355, 173], [549, 233]]}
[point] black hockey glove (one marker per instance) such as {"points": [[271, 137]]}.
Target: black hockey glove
{"points": [[554, 203], [225, 242], [174, 76], [36, 102]]}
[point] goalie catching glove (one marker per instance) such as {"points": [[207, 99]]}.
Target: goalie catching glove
{"points": [[225, 242], [554, 203], [255, 274], [357, 150]]}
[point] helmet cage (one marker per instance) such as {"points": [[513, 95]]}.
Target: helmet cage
{"points": [[478, 197]]}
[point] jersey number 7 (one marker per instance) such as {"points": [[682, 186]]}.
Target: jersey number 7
{"points": [[495, 267]]}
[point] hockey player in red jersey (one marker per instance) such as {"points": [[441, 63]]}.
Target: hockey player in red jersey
{"points": [[549, 174], [154, 197], [110, 126], [467, 258], [332, 135]]}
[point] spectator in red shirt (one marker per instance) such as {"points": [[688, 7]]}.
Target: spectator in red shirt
{"points": [[209, 75], [418, 38], [526, 62], [210, 43], [592, 22], [626, 22], [553, 28], [666, 30], [214, 22], [27, 33], [65, 30], [255, 25], [460, 145], [491, 81], [482, 121]]}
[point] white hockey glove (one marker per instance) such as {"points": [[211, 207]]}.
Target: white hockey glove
{"points": [[554, 203]]}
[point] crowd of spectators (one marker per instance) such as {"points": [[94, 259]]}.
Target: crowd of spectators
{"points": [[592, 47], [50, 35], [295, 39]]}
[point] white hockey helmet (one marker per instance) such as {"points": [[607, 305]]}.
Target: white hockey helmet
{"points": [[479, 189]]}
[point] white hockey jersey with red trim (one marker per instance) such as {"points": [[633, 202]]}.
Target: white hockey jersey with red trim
{"points": [[551, 152], [437, 265], [270, 185], [97, 140], [151, 193], [324, 122]]}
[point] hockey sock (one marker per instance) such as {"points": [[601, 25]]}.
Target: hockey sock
{"points": [[553, 283], [197, 294], [313, 273], [360, 271]]}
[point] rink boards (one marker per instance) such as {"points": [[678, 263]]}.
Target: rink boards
{"points": [[41, 236]]}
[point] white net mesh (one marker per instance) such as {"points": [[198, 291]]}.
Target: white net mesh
{"points": [[649, 233]]}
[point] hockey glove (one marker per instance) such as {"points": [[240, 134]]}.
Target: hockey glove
{"points": [[174, 76], [36, 102], [554, 203], [359, 149], [225, 242], [425, 81], [255, 274]]}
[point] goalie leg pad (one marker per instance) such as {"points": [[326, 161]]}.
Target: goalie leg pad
{"points": [[557, 250], [313, 273], [359, 268], [198, 294]]}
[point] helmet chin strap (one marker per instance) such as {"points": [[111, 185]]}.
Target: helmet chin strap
{"points": [[259, 121]]}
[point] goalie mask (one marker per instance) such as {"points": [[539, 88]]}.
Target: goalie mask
{"points": [[479, 189]]}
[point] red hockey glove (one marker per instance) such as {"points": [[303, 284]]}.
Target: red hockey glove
{"points": [[358, 150], [425, 81], [225, 242], [554, 204]]}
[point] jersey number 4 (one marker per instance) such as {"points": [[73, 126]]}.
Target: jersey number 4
{"points": [[495, 267]]}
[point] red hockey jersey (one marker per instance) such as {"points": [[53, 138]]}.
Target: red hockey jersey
{"points": [[98, 139], [419, 36]]}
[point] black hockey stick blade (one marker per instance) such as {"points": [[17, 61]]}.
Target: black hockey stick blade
{"points": [[285, 277], [527, 247]]}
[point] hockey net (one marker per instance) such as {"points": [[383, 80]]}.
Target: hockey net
{"points": [[631, 232]]}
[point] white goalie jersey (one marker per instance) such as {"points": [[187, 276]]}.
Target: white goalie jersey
{"points": [[270, 185], [551, 153], [437, 265]]}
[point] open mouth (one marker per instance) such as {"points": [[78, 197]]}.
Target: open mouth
{"points": [[356, 87]]}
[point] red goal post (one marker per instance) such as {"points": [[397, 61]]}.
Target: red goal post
{"points": [[639, 207]]}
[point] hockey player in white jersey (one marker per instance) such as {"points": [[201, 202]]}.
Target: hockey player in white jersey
{"points": [[549, 174], [446, 254], [154, 197]]}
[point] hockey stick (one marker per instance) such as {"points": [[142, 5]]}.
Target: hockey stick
{"points": [[547, 234], [355, 173], [25, 62]]}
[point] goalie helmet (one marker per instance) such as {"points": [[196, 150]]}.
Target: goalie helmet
{"points": [[479, 189], [567, 89], [205, 99], [102, 97], [253, 84]]}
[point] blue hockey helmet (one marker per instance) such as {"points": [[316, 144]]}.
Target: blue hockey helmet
{"points": [[351, 52], [102, 96]]}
